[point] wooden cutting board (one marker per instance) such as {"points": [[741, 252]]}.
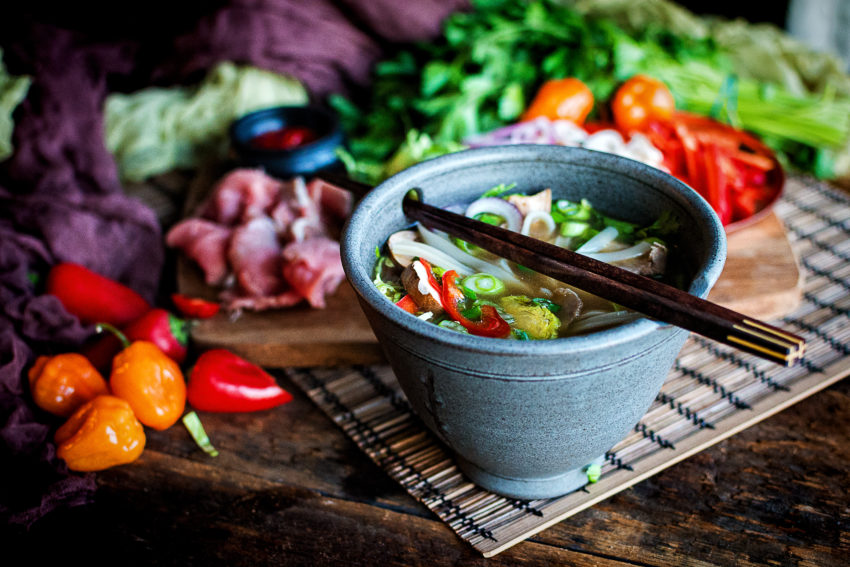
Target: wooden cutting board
{"points": [[761, 279]]}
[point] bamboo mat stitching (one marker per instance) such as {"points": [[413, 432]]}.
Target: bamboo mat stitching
{"points": [[709, 382]]}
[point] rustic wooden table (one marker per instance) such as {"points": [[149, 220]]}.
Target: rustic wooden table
{"points": [[290, 488]]}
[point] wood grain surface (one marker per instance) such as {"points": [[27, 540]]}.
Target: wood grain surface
{"points": [[761, 277], [289, 488]]}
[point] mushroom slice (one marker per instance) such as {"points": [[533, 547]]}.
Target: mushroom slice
{"points": [[652, 263], [570, 303], [395, 238], [415, 281], [541, 202]]}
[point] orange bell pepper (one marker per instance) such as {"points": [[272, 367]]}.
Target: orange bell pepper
{"points": [[150, 381], [102, 433], [62, 383]]}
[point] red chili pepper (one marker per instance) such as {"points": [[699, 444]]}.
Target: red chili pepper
{"points": [[432, 279], [94, 298], [407, 304], [194, 307], [164, 329], [221, 381], [158, 326], [491, 323]]}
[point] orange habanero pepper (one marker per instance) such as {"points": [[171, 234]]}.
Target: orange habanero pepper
{"points": [[102, 433], [62, 383], [150, 381]]}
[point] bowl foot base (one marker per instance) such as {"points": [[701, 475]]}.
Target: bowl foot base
{"points": [[528, 488]]}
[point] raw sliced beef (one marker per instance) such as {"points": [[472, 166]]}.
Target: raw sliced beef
{"points": [[204, 242], [242, 195], [313, 268], [255, 257], [268, 243]]}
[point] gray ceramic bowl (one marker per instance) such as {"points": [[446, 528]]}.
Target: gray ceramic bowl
{"points": [[525, 418]]}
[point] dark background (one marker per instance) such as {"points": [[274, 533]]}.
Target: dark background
{"points": [[774, 12]]}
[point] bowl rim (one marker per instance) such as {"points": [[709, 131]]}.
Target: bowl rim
{"points": [[361, 280]]}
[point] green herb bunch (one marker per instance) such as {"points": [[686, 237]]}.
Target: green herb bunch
{"points": [[484, 69]]}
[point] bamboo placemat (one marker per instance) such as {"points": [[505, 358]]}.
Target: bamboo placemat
{"points": [[711, 393]]}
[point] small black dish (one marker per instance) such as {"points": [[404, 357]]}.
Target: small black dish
{"points": [[305, 159]]}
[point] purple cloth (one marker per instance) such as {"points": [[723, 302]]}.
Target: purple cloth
{"points": [[60, 195]]}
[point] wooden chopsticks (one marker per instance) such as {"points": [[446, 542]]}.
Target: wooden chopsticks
{"points": [[639, 293]]}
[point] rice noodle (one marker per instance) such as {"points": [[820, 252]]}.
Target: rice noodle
{"points": [[602, 239], [443, 244], [599, 320], [433, 255], [638, 249]]}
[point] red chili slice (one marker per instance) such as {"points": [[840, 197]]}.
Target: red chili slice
{"points": [[194, 307], [491, 323]]}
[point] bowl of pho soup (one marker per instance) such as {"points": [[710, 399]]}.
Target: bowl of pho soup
{"points": [[527, 380]]}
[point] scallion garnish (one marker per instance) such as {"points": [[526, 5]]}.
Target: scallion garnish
{"points": [[196, 430], [594, 471], [483, 284]]}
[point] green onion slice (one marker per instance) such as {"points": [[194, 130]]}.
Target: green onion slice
{"points": [[594, 471], [196, 429], [484, 284]]}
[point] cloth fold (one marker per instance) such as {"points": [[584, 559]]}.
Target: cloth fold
{"points": [[61, 198]]}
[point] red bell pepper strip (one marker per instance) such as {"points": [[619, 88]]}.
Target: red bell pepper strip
{"points": [[162, 328], [221, 381], [407, 304], [491, 323], [690, 148], [715, 183], [194, 307], [94, 298]]}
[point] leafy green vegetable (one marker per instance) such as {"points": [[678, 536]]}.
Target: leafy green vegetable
{"points": [[155, 130], [498, 190], [487, 64], [13, 90], [580, 221], [536, 320], [491, 60], [394, 291]]}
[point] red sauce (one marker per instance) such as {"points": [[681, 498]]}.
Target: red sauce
{"points": [[285, 138]]}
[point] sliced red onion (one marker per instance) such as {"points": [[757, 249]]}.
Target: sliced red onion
{"points": [[499, 207], [640, 148], [602, 239], [535, 216], [609, 141], [568, 133]]}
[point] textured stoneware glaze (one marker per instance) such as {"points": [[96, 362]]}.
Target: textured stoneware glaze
{"points": [[525, 418]]}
